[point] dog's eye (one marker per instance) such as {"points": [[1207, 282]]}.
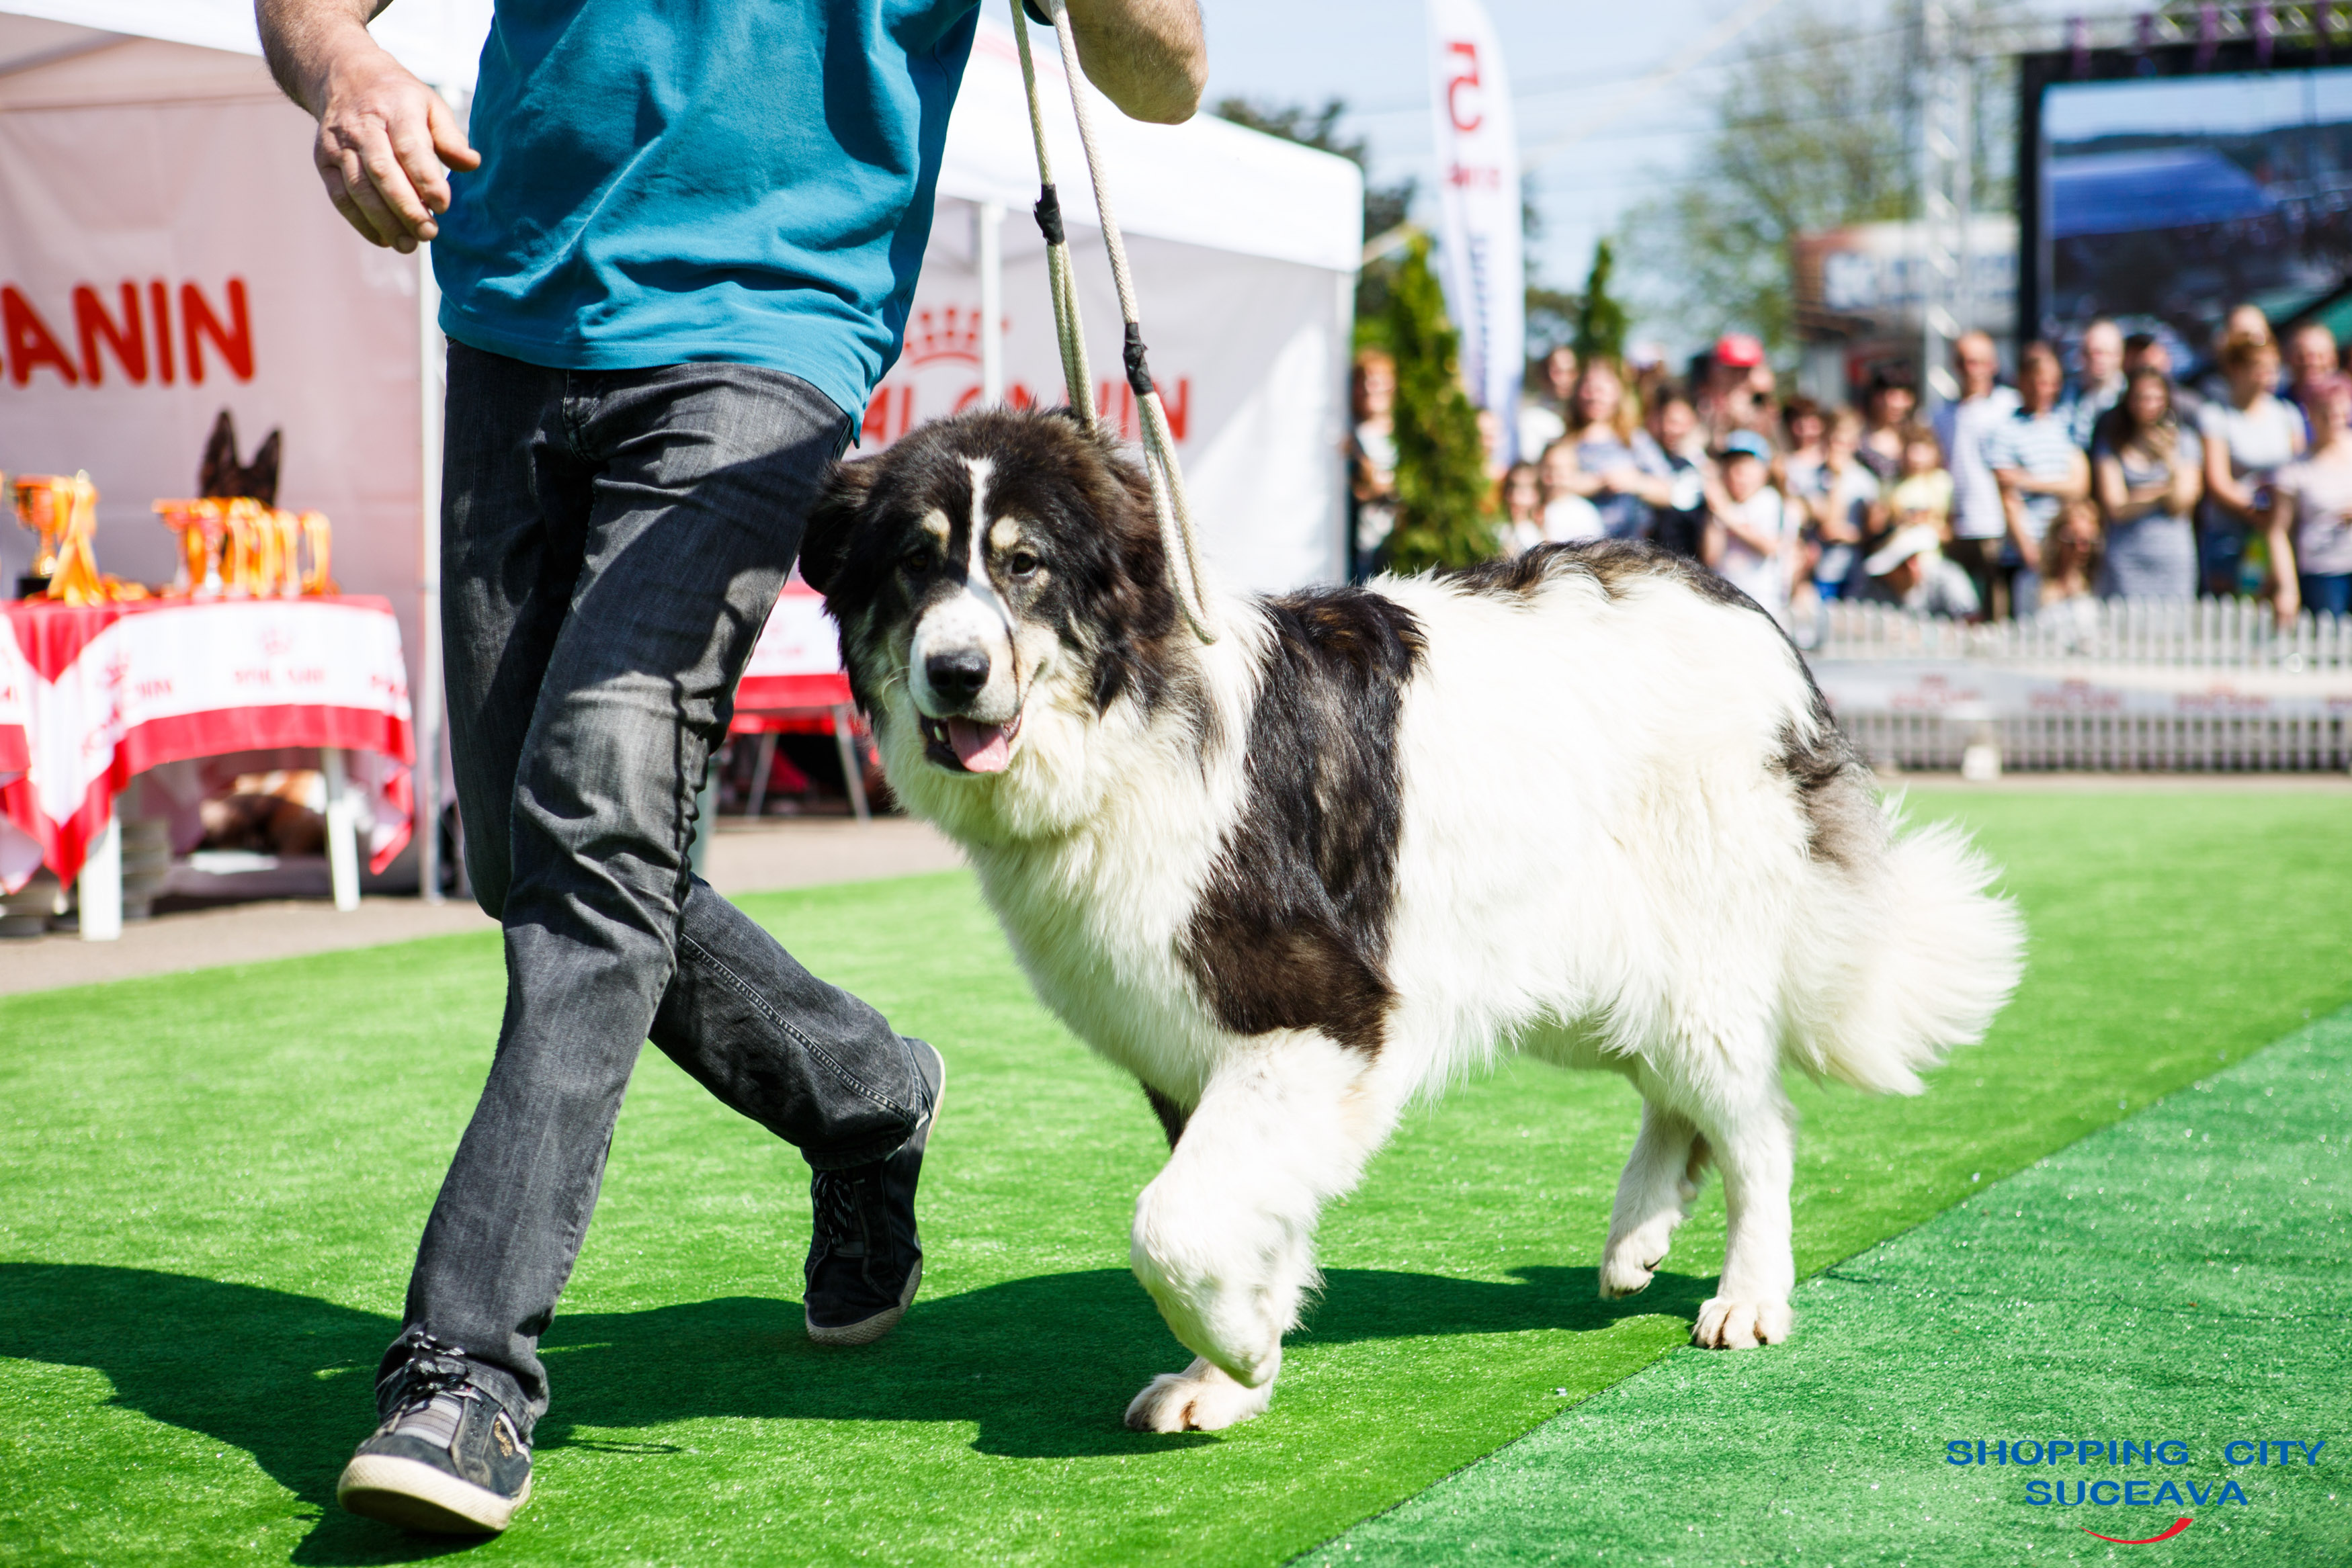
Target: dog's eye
{"points": [[916, 557], [1023, 564]]}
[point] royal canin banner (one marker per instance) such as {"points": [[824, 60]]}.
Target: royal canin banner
{"points": [[165, 255], [1479, 258], [90, 696], [1246, 351]]}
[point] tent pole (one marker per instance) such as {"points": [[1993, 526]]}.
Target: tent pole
{"points": [[426, 700], [1342, 534], [989, 219]]}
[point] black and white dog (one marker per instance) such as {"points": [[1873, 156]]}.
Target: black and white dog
{"points": [[1586, 804]]}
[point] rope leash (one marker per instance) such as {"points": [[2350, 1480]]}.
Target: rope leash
{"points": [[1177, 536], [1079, 380]]}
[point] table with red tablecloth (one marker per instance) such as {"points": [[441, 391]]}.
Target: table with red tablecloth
{"points": [[794, 684], [91, 696]]}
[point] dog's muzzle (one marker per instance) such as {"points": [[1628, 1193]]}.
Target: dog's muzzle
{"points": [[954, 681], [967, 745]]}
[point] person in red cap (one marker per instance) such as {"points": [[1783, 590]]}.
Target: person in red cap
{"points": [[1726, 397]]}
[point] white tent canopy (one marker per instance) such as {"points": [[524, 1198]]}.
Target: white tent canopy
{"points": [[440, 40], [166, 253], [1209, 182]]}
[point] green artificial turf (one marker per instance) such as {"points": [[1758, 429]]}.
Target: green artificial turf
{"points": [[2184, 1276], [211, 1184]]}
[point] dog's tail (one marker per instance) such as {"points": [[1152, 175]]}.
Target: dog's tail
{"points": [[1913, 954]]}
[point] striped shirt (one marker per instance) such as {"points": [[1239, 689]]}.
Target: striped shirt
{"points": [[2042, 445]]}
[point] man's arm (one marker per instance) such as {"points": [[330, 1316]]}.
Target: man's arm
{"points": [[2074, 487], [1734, 524], [1146, 55], [383, 136]]}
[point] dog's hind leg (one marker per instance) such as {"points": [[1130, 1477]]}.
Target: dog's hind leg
{"points": [[1652, 1198], [1224, 1236]]}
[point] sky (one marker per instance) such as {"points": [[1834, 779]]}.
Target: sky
{"points": [[1566, 62]]}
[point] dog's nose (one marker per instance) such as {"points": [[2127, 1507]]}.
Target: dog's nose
{"points": [[957, 675]]}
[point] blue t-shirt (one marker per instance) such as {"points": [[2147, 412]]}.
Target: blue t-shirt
{"points": [[666, 181]]}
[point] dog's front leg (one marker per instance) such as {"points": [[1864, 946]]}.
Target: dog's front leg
{"points": [[1652, 1197], [1224, 1236]]}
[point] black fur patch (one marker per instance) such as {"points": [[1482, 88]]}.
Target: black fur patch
{"points": [[1291, 928], [1834, 787], [1171, 1116], [1084, 509], [1609, 563]]}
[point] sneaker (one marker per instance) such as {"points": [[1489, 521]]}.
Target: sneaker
{"points": [[865, 1263], [449, 1458]]}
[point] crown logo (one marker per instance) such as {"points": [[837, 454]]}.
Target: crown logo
{"points": [[943, 332]]}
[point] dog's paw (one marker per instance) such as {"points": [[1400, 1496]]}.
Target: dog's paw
{"points": [[1628, 1264], [1725, 1324], [1200, 1398]]}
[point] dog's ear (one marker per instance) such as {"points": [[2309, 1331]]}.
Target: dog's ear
{"points": [[218, 475], [261, 474], [834, 520]]}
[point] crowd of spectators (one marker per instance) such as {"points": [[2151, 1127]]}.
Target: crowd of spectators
{"points": [[2035, 496]]}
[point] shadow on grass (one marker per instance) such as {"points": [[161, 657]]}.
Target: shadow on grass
{"points": [[1042, 1366]]}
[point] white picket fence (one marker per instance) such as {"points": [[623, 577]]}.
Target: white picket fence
{"points": [[2138, 685], [2203, 633]]}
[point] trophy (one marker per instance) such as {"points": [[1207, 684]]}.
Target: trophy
{"points": [[38, 510], [240, 548], [203, 534], [64, 514], [320, 537]]}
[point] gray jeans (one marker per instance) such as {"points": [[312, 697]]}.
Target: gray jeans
{"points": [[612, 542]]}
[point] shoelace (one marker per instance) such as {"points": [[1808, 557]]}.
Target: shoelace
{"points": [[842, 1200], [432, 1404]]}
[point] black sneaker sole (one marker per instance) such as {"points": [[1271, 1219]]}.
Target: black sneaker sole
{"points": [[870, 1329], [415, 1495], [867, 1330]]}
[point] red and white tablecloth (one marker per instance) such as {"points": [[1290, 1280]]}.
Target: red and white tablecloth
{"points": [[797, 664], [90, 696]]}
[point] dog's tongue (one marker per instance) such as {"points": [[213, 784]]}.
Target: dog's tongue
{"points": [[981, 748]]}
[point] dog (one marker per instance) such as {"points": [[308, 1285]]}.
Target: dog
{"points": [[221, 474], [1586, 804]]}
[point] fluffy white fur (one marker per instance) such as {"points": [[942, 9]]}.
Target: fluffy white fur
{"points": [[1600, 864]]}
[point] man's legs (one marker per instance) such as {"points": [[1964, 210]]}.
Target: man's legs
{"points": [[1980, 558], [613, 544]]}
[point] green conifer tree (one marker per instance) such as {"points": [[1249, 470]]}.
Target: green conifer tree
{"points": [[1601, 321], [1445, 514]]}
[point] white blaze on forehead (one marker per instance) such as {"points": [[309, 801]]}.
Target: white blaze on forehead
{"points": [[976, 581], [972, 619], [982, 468]]}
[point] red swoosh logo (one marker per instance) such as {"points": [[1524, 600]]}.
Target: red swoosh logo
{"points": [[2177, 1526]]}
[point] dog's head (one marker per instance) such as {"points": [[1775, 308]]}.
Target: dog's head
{"points": [[1000, 585]]}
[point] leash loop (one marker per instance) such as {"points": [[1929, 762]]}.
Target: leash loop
{"points": [[1059, 280], [1178, 537]]}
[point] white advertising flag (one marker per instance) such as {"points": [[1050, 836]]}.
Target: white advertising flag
{"points": [[1478, 254]]}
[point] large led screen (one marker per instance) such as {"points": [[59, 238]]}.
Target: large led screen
{"points": [[2166, 200]]}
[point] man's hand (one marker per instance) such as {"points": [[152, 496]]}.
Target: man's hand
{"points": [[1146, 55], [383, 136]]}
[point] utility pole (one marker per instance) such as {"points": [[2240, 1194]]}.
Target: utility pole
{"points": [[1944, 94]]}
